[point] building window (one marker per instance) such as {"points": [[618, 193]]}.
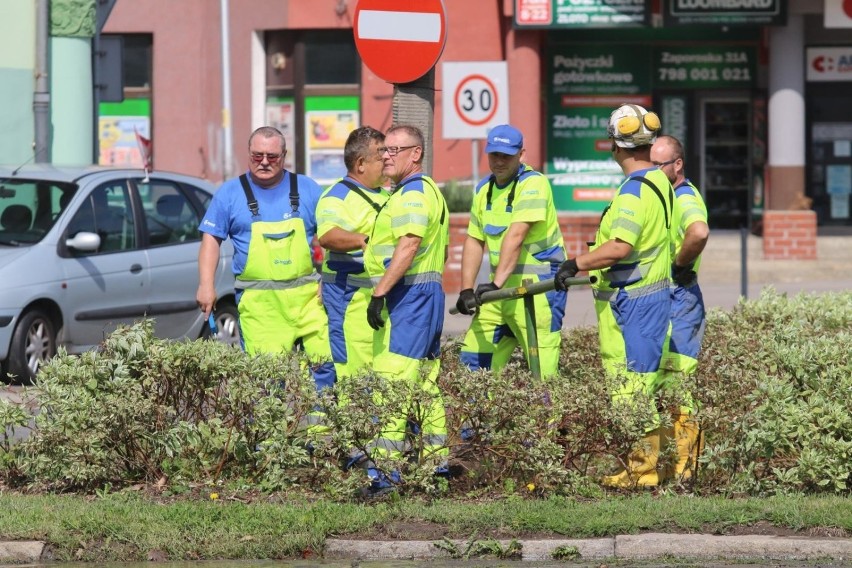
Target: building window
{"points": [[136, 61], [331, 58]]}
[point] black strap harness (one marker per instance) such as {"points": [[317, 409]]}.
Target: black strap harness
{"points": [[650, 184], [252, 201], [376, 207], [509, 199]]}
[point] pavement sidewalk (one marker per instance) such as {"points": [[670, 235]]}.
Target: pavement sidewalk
{"points": [[720, 277], [647, 546]]}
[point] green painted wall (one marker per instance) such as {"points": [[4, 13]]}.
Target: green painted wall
{"points": [[17, 32], [17, 61], [72, 25], [71, 99]]}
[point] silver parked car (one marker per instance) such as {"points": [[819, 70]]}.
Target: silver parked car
{"points": [[83, 250]]}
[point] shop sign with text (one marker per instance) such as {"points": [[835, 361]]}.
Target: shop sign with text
{"points": [[829, 64], [599, 70], [586, 84], [585, 13], [725, 12], [705, 67]]}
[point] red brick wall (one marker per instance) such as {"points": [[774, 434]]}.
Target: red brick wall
{"points": [[789, 235], [577, 230], [452, 269]]}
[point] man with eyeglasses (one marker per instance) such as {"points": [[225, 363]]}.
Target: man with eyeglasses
{"points": [[513, 215], [405, 259], [680, 356], [269, 214], [346, 214], [631, 257]]}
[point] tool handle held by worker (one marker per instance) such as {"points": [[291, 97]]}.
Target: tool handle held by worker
{"points": [[211, 322], [529, 290]]}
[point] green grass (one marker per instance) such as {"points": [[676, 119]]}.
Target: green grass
{"points": [[126, 527]]}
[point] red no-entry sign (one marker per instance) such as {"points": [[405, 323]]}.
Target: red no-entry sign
{"points": [[400, 40]]}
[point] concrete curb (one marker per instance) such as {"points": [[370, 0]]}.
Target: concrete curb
{"points": [[731, 547], [21, 551], [628, 547], [339, 549]]}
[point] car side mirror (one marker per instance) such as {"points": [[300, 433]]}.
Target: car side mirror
{"points": [[84, 242]]}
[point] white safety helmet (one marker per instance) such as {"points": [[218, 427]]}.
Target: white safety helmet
{"points": [[631, 126]]}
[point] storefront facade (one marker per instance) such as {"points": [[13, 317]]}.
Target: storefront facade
{"points": [[713, 75], [704, 86]]}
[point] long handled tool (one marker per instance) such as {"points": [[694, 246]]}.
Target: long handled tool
{"points": [[526, 291]]}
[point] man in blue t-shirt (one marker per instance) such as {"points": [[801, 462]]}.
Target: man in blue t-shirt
{"points": [[269, 214]]}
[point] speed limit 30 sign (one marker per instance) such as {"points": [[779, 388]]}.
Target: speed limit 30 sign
{"points": [[475, 98]]}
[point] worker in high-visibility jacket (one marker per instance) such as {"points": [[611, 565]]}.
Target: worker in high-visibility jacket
{"points": [[346, 214], [513, 216], [405, 258], [269, 214], [631, 258], [680, 355]]}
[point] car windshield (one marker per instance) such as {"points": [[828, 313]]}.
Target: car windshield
{"points": [[29, 209]]}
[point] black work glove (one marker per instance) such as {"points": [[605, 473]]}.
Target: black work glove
{"points": [[482, 288], [567, 269], [374, 312], [684, 275], [466, 304]]}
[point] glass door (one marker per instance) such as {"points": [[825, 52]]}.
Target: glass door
{"points": [[726, 160], [829, 154]]}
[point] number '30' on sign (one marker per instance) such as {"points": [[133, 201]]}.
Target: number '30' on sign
{"points": [[476, 99]]}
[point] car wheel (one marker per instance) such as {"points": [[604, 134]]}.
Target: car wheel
{"points": [[228, 322], [33, 343]]}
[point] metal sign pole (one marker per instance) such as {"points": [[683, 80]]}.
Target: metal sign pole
{"points": [[474, 177]]}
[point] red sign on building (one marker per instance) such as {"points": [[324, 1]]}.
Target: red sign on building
{"points": [[533, 12], [400, 40]]}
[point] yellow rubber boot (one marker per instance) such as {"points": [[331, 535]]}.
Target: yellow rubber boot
{"points": [[690, 444], [641, 470]]}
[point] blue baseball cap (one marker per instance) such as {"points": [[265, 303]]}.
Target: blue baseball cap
{"points": [[505, 139]]}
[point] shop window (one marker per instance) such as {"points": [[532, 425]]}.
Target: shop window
{"points": [[136, 61], [331, 58], [313, 95], [120, 122], [726, 166]]}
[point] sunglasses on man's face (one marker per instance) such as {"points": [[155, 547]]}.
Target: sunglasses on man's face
{"points": [[258, 157]]}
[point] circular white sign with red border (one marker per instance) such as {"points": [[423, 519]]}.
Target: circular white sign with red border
{"points": [[400, 40]]}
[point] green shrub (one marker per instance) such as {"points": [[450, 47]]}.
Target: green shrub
{"points": [[775, 379], [459, 196], [773, 390]]}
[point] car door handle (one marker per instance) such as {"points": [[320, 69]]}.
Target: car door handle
{"points": [[135, 268]]}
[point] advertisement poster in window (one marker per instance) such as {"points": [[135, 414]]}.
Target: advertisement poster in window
{"points": [[328, 122], [118, 125], [281, 113], [838, 182], [586, 84]]}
